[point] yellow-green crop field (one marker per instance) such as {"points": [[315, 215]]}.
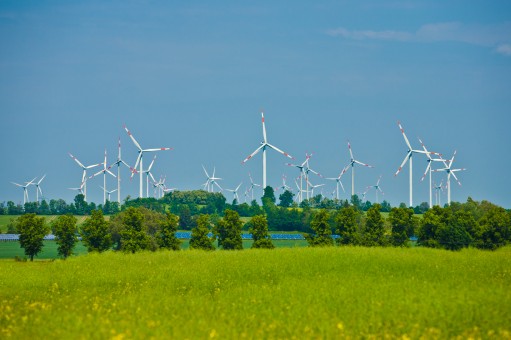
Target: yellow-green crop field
{"points": [[281, 293]]}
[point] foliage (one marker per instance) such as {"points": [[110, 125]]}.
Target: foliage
{"points": [[166, 236], [401, 221], [346, 226], [64, 229], [228, 231], [32, 230], [268, 196], [259, 231], [320, 225], [495, 228], [133, 236], [432, 222], [200, 238], [286, 199], [95, 232], [374, 231], [185, 217]]}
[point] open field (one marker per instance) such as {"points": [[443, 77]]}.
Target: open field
{"points": [[283, 293]]}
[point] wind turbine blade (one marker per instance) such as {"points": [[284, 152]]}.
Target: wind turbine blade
{"points": [[93, 166], [456, 178], [351, 152], [134, 169], [203, 168], [39, 182], [378, 182], [282, 152], [152, 162], [253, 153], [342, 186], [403, 164], [17, 184], [218, 185], [157, 149], [111, 173], [133, 138], [76, 160], [404, 135], [264, 127], [426, 172], [360, 163], [151, 175]]}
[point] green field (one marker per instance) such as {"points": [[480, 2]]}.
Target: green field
{"points": [[282, 293]]}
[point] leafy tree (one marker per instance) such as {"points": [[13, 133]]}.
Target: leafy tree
{"points": [[495, 228], [228, 231], [346, 226], [374, 232], [167, 234], [32, 231], [401, 220], [64, 228], [30, 207], [133, 235], [259, 231], [95, 232], [185, 217], [356, 202], [453, 237], [321, 227], [268, 196], [44, 208], [385, 206], [255, 209], [432, 222], [13, 209], [80, 204], [200, 238], [286, 199]]}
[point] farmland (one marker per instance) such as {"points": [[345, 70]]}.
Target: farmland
{"points": [[283, 293]]}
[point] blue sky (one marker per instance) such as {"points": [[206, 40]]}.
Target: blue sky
{"points": [[194, 76]]}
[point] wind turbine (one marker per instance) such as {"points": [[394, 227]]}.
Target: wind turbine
{"points": [[408, 156], [38, 188], [149, 174], [376, 189], [211, 181], [104, 171], [304, 173], [119, 161], [284, 186], [314, 186], [235, 193], [450, 171], [264, 145], [25, 191], [108, 192], [337, 182], [429, 169], [140, 160], [252, 185], [438, 188], [84, 174], [351, 164]]}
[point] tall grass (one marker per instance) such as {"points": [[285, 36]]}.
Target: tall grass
{"points": [[283, 293]]}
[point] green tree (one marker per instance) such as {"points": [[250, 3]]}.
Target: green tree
{"points": [[32, 231], [167, 234], [259, 231], [495, 228], [432, 222], [356, 202], [286, 199], [185, 217], [453, 237], [228, 231], [44, 208], [95, 232], [64, 229], [400, 219], [268, 196], [133, 235], [346, 226], [80, 204], [320, 225], [374, 231], [200, 238]]}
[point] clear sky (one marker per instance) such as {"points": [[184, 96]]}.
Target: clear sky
{"points": [[194, 75]]}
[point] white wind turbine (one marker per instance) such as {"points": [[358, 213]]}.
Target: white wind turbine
{"points": [[140, 160], [314, 186], [235, 193], [149, 174], [104, 171], [25, 191], [284, 186], [448, 169], [211, 181], [119, 161], [337, 183], [84, 174], [264, 145], [376, 189], [351, 164], [429, 169], [38, 188], [408, 157], [108, 192], [304, 169], [438, 188], [252, 185]]}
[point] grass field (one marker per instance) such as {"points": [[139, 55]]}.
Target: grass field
{"points": [[282, 293]]}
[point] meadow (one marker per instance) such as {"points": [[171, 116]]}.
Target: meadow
{"points": [[282, 293]]}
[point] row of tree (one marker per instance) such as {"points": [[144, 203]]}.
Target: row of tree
{"points": [[136, 229]]}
